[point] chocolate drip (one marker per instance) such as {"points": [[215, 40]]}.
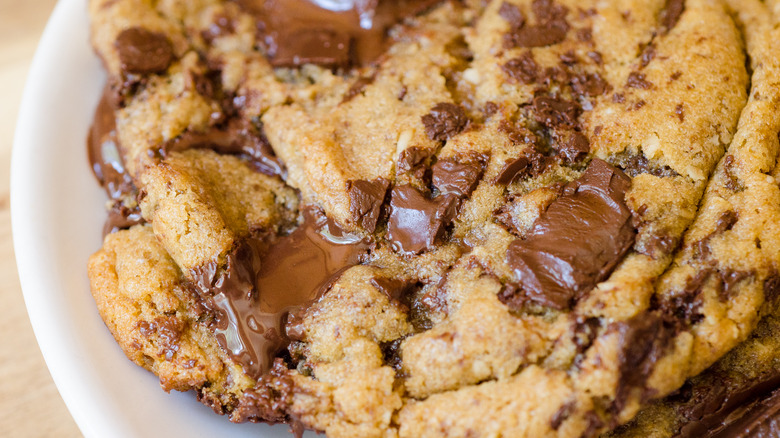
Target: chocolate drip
{"points": [[265, 280], [578, 241], [105, 159], [340, 33]]}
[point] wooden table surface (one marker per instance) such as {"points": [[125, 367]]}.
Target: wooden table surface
{"points": [[30, 405]]}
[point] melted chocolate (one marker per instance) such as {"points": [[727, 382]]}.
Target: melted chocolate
{"points": [[104, 153], [262, 283], [577, 241], [237, 138], [336, 33], [728, 411], [105, 159]]}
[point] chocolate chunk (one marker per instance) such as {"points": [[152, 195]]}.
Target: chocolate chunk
{"points": [[554, 265], [643, 340], [647, 55], [412, 157], [522, 69], [730, 278], [591, 84], [732, 181], [269, 400], [554, 112], [445, 121], [391, 354], [618, 98], [635, 164], [458, 177], [357, 88], [513, 168], [365, 201], [104, 151], [637, 80], [573, 146], [585, 35], [168, 330], [335, 34], [236, 137], [585, 331], [264, 279], [120, 217], [142, 51], [671, 14], [416, 222], [742, 409], [518, 134], [772, 288], [393, 288], [561, 415], [550, 28], [684, 306], [680, 111], [511, 13], [596, 57]]}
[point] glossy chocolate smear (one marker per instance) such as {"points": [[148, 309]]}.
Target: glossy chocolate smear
{"points": [[104, 152], [577, 241], [727, 410], [236, 137], [337, 33], [142, 51], [264, 280], [416, 222], [107, 165]]}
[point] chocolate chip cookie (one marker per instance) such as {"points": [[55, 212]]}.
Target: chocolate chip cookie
{"points": [[440, 218]]}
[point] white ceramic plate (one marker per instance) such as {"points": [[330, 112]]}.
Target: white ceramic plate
{"points": [[57, 217]]}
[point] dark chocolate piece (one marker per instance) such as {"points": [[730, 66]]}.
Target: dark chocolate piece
{"points": [[671, 14], [237, 138], [513, 168], [550, 28], [412, 157], [556, 264], [729, 409], [365, 201], [591, 84], [416, 222], [554, 112], [573, 146], [336, 34], [637, 80], [264, 280], [643, 340], [522, 69], [511, 13], [142, 51], [445, 121], [458, 177]]}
